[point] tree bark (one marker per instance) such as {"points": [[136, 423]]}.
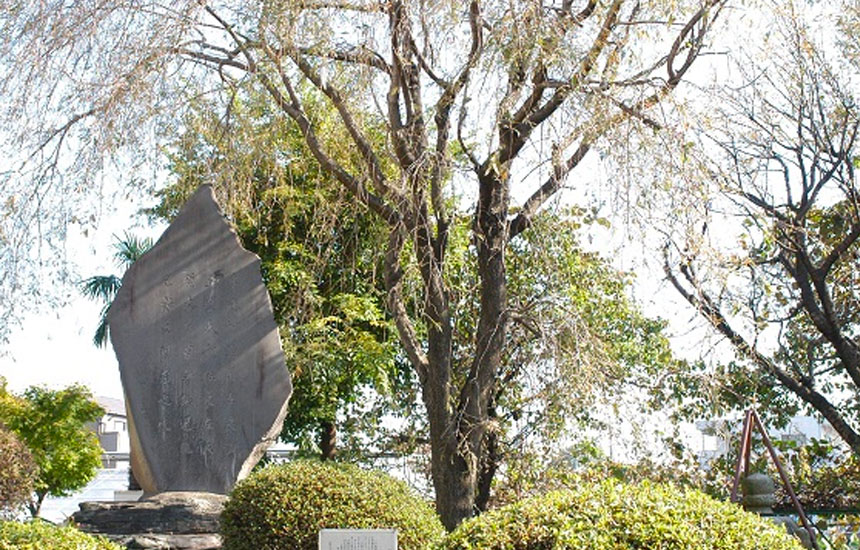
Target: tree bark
{"points": [[453, 480], [453, 472], [491, 457], [328, 440], [460, 447]]}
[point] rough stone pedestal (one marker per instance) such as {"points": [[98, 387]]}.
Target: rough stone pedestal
{"points": [[166, 521]]}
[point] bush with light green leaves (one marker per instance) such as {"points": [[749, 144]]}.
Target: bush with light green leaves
{"points": [[55, 427], [617, 516], [41, 535], [285, 506]]}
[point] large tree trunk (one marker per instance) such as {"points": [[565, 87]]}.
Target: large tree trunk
{"points": [[453, 479], [459, 435], [451, 463], [452, 476], [452, 471], [328, 440]]}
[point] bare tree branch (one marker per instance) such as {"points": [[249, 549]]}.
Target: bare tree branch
{"points": [[706, 306], [359, 55], [368, 7]]}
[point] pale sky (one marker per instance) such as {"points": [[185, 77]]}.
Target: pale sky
{"points": [[54, 347]]}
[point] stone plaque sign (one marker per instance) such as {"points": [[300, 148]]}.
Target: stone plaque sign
{"points": [[199, 355], [358, 539]]}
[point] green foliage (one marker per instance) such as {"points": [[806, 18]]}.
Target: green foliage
{"points": [[843, 532], [579, 342], [583, 304], [53, 425], [822, 476], [40, 535], [286, 506], [103, 288], [615, 516], [825, 478], [320, 263], [17, 472], [586, 462]]}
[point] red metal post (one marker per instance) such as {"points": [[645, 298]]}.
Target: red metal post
{"points": [[794, 500], [743, 464]]}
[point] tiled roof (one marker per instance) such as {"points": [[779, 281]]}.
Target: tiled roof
{"points": [[111, 405]]}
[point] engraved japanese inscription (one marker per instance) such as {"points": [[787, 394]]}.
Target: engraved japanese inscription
{"points": [[200, 357]]}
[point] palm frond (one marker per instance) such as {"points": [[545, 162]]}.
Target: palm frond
{"points": [[104, 288], [100, 338], [130, 248], [101, 287]]}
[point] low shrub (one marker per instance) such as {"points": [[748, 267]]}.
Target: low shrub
{"points": [[285, 506], [40, 535], [17, 472], [616, 516]]}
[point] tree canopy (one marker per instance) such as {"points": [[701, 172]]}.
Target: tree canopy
{"points": [[57, 427], [484, 108], [774, 172], [578, 333]]}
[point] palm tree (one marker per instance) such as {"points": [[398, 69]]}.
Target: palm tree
{"points": [[103, 288]]}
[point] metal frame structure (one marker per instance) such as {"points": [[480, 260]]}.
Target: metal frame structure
{"points": [[751, 420]]}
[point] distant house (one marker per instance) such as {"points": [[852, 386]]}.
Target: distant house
{"points": [[112, 430], [718, 436], [110, 482]]}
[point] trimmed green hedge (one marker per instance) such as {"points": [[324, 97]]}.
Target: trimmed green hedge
{"points": [[615, 516], [285, 507], [41, 535]]}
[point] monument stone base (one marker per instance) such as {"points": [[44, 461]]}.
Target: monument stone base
{"points": [[165, 521]]}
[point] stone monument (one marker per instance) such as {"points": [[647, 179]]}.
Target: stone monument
{"points": [[200, 360], [199, 355]]}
